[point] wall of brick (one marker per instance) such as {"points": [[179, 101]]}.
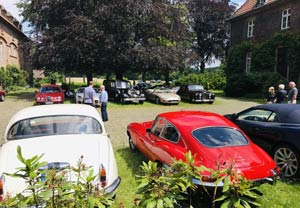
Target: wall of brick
{"points": [[267, 21]]}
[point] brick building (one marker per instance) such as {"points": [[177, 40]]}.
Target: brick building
{"points": [[12, 42], [259, 20]]}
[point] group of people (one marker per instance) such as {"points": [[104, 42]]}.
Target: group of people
{"points": [[89, 99], [281, 95]]}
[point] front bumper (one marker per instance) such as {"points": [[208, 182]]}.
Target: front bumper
{"points": [[136, 99]]}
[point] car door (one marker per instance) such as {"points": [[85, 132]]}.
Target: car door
{"points": [[167, 145], [260, 125]]}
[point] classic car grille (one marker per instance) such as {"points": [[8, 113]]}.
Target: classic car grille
{"points": [[48, 98]]}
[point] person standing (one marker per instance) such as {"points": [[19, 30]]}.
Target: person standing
{"points": [[103, 102], [292, 96], [270, 97], [281, 94], [89, 94]]}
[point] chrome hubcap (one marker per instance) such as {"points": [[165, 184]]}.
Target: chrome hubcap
{"points": [[287, 161]]}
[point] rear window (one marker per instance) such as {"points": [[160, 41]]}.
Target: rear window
{"points": [[219, 137], [54, 125]]}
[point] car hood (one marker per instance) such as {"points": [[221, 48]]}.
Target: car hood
{"points": [[250, 160], [166, 95], [95, 149]]}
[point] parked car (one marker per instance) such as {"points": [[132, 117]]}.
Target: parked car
{"points": [[2, 95], [276, 128], [79, 96], [49, 94], [209, 136], [122, 92], [196, 93], [162, 95], [63, 133]]}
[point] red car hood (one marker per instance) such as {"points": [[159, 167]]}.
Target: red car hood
{"points": [[250, 160]]}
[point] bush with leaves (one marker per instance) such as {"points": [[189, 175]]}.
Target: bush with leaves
{"points": [[11, 76], [173, 186], [215, 80], [51, 188]]}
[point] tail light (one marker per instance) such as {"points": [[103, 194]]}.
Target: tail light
{"points": [[102, 173], [1, 188]]}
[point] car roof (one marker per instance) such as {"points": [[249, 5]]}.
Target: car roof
{"points": [[53, 110], [287, 113], [191, 120]]}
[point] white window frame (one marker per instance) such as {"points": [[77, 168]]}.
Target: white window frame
{"points": [[286, 19], [250, 30], [248, 62]]}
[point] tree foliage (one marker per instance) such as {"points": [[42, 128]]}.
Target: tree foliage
{"points": [[107, 36], [209, 21]]}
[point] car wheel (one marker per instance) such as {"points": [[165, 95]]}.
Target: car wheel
{"points": [[287, 158], [192, 99], [131, 144], [157, 101], [141, 102], [2, 98]]}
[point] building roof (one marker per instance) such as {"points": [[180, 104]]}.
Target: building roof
{"points": [[10, 20], [250, 5]]}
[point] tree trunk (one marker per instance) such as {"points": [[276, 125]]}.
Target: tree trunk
{"points": [[167, 77], [89, 77], [144, 76], [202, 66], [119, 75]]}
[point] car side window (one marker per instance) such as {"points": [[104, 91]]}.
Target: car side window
{"points": [[256, 115], [170, 133], [158, 126]]}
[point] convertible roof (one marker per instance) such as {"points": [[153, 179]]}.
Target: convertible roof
{"points": [[191, 120], [287, 113]]}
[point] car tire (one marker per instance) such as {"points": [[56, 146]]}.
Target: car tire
{"points": [[131, 144], [288, 159], [2, 98], [157, 101], [192, 100], [141, 102]]}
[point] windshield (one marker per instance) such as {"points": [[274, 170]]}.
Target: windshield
{"points": [[219, 137], [50, 89], [54, 125], [195, 87], [162, 90], [122, 85]]}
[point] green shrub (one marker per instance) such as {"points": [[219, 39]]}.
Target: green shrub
{"points": [[252, 83], [172, 187], [210, 80], [50, 188], [12, 76]]}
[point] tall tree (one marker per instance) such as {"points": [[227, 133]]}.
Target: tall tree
{"points": [[209, 21]]}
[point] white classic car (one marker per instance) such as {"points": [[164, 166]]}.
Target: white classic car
{"points": [[79, 96], [63, 133]]}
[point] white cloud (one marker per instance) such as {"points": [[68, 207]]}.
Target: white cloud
{"points": [[10, 6]]}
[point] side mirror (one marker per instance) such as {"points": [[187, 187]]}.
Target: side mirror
{"points": [[148, 130], [234, 116]]}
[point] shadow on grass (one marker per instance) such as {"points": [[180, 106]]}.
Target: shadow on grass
{"points": [[21, 95]]}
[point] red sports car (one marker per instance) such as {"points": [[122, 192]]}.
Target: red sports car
{"points": [[209, 136], [49, 94]]}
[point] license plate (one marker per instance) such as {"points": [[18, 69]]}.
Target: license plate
{"points": [[47, 103]]}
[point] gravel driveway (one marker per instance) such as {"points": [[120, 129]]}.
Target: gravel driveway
{"points": [[121, 116]]}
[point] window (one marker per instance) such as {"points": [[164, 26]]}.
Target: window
{"points": [[286, 19], [250, 31], [248, 62], [258, 115], [158, 126], [219, 137], [170, 133], [13, 50], [54, 125]]}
